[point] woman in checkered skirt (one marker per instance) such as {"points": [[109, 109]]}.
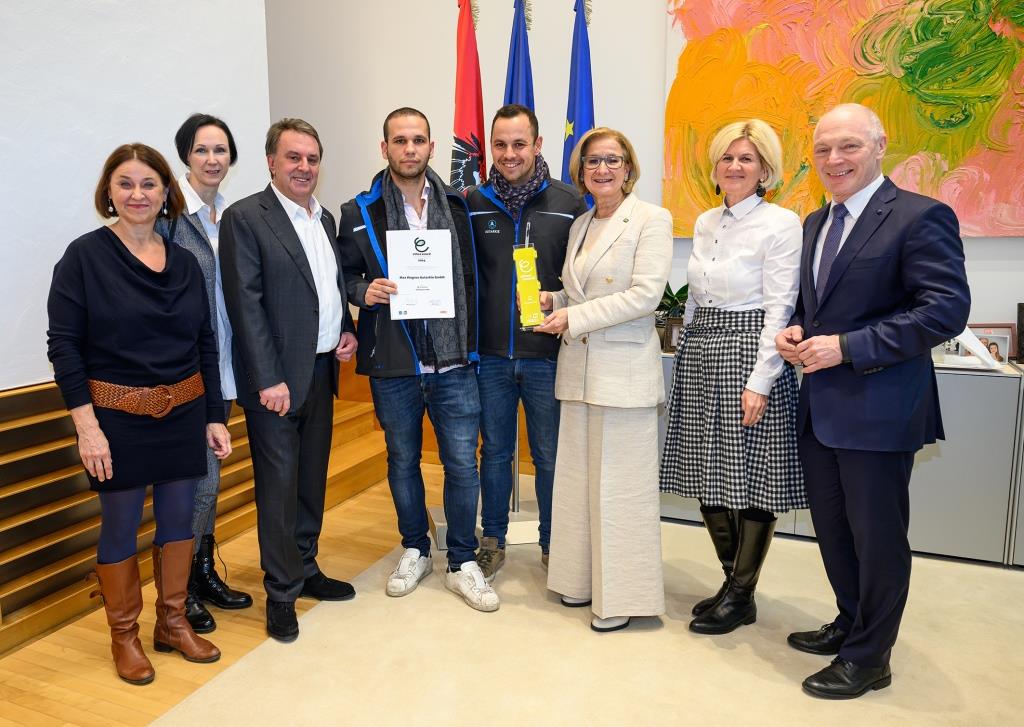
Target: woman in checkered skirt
{"points": [[731, 438]]}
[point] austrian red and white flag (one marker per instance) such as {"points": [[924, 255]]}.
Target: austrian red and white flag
{"points": [[469, 163]]}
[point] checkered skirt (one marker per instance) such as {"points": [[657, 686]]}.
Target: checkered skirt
{"points": [[708, 453]]}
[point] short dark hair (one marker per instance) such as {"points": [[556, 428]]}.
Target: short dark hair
{"points": [[185, 137], [152, 159], [405, 111], [288, 124], [512, 110]]}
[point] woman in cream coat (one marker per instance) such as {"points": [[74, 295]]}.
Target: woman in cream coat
{"points": [[605, 528]]}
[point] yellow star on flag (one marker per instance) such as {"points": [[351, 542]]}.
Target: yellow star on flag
{"points": [[568, 129]]}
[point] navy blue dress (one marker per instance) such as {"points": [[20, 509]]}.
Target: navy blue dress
{"points": [[114, 319]]}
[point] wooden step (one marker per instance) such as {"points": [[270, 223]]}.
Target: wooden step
{"points": [[358, 460], [33, 419], [75, 560], [35, 450], [45, 541], [42, 480], [354, 466], [45, 510]]}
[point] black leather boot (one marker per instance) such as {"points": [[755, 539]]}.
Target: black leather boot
{"points": [[200, 619], [208, 585], [721, 526], [737, 607]]}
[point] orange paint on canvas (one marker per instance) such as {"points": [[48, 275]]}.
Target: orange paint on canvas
{"points": [[946, 81]]}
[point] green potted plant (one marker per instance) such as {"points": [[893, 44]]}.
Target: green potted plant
{"points": [[668, 316]]}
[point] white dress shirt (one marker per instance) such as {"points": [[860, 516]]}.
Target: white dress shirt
{"points": [[320, 256], [854, 208], [418, 221], [196, 206], [744, 258]]}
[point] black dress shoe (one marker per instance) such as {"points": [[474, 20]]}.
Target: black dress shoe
{"points": [[281, 621], [322, 588], [208, 585], [825, 641], [201, 620], [843, 679]]}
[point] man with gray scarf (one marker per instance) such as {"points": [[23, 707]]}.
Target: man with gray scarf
{"points": [[418, 366]]}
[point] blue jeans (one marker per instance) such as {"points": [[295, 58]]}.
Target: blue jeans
{"points": [[453, 405], [503, 382]]}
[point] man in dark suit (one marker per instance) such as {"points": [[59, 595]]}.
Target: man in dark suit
{"points": [[286, 301], [882, 282]]}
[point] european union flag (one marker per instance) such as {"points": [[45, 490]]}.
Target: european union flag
{"points": [[519, 77], [579, 116]]}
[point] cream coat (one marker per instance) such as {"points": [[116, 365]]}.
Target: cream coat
{"points": [[610, 356]]}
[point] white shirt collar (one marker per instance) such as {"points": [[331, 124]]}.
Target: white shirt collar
{"points": [[193, 202], [425, 194], [293, 210], [859, 200], [742, 208]]}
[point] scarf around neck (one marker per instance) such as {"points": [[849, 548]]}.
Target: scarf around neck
{"points": [[439, 342], [516, 197]]}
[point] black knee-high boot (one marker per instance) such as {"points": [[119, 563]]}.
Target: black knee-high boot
{"points": [[721, 526], [736, 607]]}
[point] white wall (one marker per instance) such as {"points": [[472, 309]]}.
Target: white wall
{"points": [[80, 78]]}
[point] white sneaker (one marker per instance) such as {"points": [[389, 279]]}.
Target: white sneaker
{"points": [[412, 568], [469, 582]]}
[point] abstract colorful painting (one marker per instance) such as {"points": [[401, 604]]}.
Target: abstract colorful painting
{"points": [[945, 76]]}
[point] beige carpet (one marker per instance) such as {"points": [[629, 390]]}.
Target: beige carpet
{"points": [[429, 659]]}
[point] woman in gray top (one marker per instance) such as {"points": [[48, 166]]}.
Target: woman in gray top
{"points": [[206, 147]]}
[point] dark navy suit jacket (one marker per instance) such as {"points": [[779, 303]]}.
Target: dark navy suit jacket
{"points": [[897, 288]]}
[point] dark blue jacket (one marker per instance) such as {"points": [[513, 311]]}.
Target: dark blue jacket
{"points": [[385, 347], [897, 288], [551, 212]]}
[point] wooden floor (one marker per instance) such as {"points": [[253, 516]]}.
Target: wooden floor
{"points": [[68, 678]]}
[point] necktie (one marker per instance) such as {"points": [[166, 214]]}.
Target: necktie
{"points": [[831, 248]]}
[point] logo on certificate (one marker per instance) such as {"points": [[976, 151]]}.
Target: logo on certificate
{"points": [[421, 245]]}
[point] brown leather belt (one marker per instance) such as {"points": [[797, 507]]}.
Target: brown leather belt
{"points": [[154, 401]]}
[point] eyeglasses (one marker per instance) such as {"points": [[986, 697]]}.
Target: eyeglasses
{"points": [[612, 161]]}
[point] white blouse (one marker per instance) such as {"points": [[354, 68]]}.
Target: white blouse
{"points": [[744, 258]]}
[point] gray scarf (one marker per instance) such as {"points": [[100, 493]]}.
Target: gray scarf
{"points": [[439, 342]]}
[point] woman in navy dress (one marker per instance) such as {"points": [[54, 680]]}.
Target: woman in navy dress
{"points": [[135, 358]]}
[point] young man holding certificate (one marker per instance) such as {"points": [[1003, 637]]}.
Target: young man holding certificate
{"points": [[408, 260]]}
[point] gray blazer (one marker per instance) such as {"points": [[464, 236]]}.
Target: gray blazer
{"points": [[271, 299], [610, 355], [189, 233]]}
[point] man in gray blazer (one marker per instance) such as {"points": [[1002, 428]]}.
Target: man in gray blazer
{"points": [[286, 301]]}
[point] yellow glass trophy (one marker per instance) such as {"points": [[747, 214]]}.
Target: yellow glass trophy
{"points": [[527, 283]]}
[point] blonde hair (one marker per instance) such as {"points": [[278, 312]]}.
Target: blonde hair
{"points": [[603, 132], [764, 139]]}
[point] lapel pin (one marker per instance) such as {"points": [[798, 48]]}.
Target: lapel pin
{"points": [[625, 219], [608, 279], [878, 211]]}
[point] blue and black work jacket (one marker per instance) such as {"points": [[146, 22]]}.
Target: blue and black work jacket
{"points": [[550, 212], [385, 346]]}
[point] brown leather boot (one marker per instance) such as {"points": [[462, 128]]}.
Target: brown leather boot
{"points": [[171, 565], [122, 600]]}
